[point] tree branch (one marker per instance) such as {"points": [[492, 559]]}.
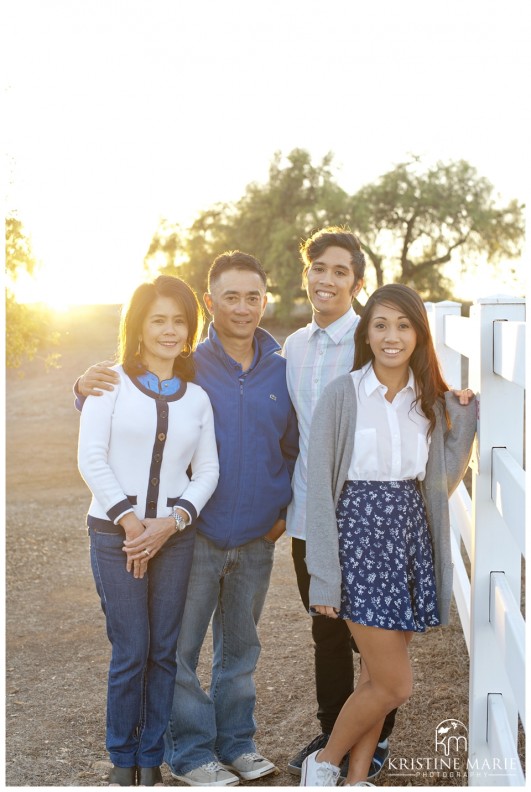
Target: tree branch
{"points": [[404, 261], [376, 261], [444, 259]]}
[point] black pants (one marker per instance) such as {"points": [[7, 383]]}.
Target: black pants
{"points": [[334, 661]]}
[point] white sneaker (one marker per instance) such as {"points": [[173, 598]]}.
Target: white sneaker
{"points": [[315, 773], [209, 774], [251, 765]]}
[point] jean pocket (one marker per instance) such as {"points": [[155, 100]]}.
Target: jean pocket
{"points": [[107, 533], [104, 527], [108, 539], [119, 532]]}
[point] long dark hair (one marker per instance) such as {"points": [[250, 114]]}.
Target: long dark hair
{"points": [[136, 311], [430, 383]]}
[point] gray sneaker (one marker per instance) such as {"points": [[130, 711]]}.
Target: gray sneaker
{"points": [[209, 774], [251, 765]]}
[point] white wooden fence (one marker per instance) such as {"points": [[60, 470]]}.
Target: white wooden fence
{"points": [[488, 530]]}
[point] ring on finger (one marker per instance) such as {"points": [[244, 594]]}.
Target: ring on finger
{"points": [[146, 551]]}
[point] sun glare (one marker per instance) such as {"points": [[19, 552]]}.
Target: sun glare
{"points": [[58, 305], [41, 289], [61, 288]]}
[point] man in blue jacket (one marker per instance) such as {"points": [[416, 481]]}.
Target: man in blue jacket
{"points": [[209, 741]]}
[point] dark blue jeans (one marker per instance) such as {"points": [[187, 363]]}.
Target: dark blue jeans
{"points": [[143, 621]]}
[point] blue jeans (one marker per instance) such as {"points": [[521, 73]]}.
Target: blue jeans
{"points": [[143, 618], [229, 587]]}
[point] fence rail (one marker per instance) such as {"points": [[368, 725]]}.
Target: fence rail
{"points": [[489, 527]]}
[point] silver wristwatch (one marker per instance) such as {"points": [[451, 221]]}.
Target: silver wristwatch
{"points": [[180, 522]]}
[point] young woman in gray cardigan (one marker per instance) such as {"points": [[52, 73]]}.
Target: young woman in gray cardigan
{"points": [[388, 445]]}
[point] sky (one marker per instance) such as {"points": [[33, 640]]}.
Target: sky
{"points": [[123, 112]]}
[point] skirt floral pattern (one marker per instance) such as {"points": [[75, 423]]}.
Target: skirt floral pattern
{"points": [[386, 556]]}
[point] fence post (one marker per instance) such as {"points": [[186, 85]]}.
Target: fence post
{"points": [[449, 359], [501, 414]]}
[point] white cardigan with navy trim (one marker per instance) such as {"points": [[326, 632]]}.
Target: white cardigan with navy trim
{"points": [[135, 448]]}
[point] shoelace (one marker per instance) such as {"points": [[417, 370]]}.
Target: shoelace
{"points": [[252, 757], [326, 772], [212, 767]]}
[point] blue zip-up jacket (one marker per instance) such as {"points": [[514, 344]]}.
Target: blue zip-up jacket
{"points": [[257, 439]]}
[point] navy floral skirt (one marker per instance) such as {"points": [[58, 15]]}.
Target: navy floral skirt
{"points": [[386, 556]]}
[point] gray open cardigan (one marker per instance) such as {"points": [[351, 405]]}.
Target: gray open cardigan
{"points": [[329, 455]]}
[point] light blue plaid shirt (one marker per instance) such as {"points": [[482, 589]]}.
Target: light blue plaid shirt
{"points": [[315, 356]]}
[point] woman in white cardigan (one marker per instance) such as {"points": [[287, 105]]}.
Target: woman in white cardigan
{"points": [[147, 451], [388, 445]]}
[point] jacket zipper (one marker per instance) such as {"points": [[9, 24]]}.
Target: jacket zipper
{"points": [[238, 488]]}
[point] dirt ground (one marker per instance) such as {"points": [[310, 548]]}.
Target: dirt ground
{"points": [[57, 650]]}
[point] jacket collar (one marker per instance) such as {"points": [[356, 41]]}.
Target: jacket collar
{"points": [[263, 343]]}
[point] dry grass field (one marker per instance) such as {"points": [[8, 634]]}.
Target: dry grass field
{"points": [[57, 650]]}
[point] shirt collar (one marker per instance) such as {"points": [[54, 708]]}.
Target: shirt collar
{"points": [[338, 329], [152, 383], [372, 382]]}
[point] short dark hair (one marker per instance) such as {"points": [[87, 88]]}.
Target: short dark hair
{"points": [[136, 311], [333, 236], [235, 259]]}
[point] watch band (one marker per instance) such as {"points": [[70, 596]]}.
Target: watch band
{"points": [[180, 522]]}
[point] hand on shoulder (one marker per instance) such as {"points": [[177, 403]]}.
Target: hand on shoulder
{"points": [[98, 378]]}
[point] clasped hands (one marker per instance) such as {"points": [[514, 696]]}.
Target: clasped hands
{"points": [[144, 538]]}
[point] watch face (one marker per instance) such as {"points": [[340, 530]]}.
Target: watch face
{"points": [[180, 523]]}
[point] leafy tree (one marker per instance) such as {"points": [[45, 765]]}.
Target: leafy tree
{"points": [[211, 233], [188, 254], [26, 329], [414, 220], [19, 253], [166, 249], [411, 222]]}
